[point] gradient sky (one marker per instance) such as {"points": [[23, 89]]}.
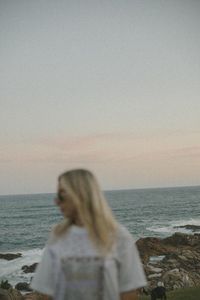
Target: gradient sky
{"points": [[112, 86]]}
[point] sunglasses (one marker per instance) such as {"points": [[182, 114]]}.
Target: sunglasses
{"points": [[59, 198]]}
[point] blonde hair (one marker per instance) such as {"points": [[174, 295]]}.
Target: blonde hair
{"points": [[81, 187]]}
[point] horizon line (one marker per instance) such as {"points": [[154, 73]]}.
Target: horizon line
{"points": [[111, 190]]}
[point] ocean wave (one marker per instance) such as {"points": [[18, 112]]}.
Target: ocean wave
{"points": [[11, 270], [174, 226]]}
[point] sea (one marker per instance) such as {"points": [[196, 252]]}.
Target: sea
{"points": [[26, 220]]}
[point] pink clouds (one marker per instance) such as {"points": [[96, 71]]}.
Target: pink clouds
{"points": [[102, 148], [120, 160]]}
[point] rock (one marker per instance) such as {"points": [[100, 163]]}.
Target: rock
{"points": [[10, 256], [23, 286], [154, 270], [181, 257], [34, 296], [29, 269], [181, 263], [10, 294], [172, 245], [172, 271], [181, 239], [154, 276], [151, 247], [172, 277], [177, 279], [187, 254]]}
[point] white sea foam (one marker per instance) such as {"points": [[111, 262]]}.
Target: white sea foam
{"points": [[11, 270], [173, 226], [190, 221], [155, 259]]}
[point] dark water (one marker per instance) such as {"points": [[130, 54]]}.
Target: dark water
{"points": [[25, 220]]}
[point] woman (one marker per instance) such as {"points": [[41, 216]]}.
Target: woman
{"points": [[89, 256]]}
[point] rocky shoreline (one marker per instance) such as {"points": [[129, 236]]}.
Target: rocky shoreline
{"points": [[179, 265], [173, 262]]}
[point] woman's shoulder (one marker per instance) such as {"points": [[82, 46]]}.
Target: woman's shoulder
{"points": [[60, 231], [124, 235], [125, 242], [123, 231], [54, 237]]}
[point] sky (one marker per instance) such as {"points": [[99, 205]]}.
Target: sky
{"points": [[111, 86]]}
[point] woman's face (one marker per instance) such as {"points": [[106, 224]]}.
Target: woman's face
{"points": [[66, 206]]}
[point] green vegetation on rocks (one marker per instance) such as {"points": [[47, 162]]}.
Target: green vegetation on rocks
{"points": [[5, 285]]}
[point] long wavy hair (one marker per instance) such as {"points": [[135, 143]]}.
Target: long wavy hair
{"points": [[81, 187]]}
